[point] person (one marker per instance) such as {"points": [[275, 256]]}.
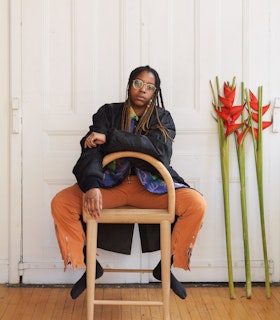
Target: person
{"points": [[142, 124]]}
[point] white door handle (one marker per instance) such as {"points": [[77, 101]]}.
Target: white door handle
{"points": [[16, 115]]}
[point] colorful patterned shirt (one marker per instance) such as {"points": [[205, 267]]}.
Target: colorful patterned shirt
{"points": [[117, 170]]}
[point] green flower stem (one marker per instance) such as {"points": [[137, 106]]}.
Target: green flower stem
{"points": [[224, 154], [240, 149], [224, 162], [259, 171], [241, 164], [259, 166]]}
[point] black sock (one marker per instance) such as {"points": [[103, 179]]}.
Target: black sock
{"points": [[175, 284], [81, 284]]}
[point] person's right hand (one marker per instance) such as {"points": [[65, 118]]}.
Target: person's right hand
{"points": [[93, 202], [94, 139]]}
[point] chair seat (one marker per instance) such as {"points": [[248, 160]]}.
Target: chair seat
{"points": [[129, 214]]}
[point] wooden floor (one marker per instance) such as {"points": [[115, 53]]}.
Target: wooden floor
{"points": [[202, 303]]}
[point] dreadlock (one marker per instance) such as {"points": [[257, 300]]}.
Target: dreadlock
{"points": [[156, 101]]}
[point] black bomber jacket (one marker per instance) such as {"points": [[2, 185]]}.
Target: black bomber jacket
{"points": [[107, 120]]}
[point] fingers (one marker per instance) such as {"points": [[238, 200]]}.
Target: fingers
{"points": [[94, 139], [93, 205], [90, 142]]}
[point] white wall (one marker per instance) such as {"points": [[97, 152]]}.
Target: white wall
{"points": [[221, 38], [273, 169], [4, 139]]}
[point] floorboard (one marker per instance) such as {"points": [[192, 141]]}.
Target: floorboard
{"points": [[204, 302]]}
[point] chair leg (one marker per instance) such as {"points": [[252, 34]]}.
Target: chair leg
{"points": [[165, 243], [91, 266]]}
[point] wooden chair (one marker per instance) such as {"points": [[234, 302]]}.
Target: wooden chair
{"points": [[164, 217]]}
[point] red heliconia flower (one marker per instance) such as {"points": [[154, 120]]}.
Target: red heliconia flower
{"points": [[228, 112], [232, 127], [253, 101], [265, 124], [229, 94], [254, 104], [241, 135], [265, 108]]}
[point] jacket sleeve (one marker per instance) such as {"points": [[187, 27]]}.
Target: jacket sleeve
{"points": [[88, 169], [154, 143]]}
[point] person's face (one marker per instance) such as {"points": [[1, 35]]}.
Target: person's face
{"points": [[142, 90]]}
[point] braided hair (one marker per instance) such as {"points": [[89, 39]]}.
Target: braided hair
{"points": [[143, 126]]}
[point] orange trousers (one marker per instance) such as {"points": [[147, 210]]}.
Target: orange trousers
{"points": [[67, 208]]}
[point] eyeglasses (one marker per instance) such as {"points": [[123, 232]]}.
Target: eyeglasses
{"points": [[139, 84]]}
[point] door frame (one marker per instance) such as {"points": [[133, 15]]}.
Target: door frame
{"points": [[15, 183]]}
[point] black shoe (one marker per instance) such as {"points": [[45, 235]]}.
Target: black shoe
{"points": [[175, 284], [79, 287]]}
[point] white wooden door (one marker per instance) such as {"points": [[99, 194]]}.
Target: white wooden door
{"points": [[74, 57]]}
